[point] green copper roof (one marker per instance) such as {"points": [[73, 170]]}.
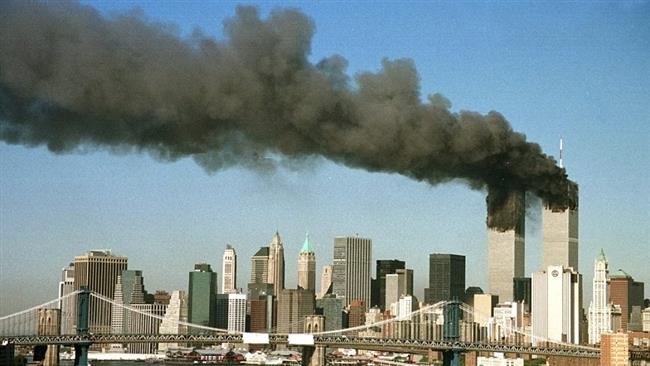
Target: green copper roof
{"points": [[306, 246], [620, 274], [601, 256]]}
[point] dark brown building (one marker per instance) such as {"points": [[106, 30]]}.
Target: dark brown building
{"points": [[356, 313], [624, 291]]}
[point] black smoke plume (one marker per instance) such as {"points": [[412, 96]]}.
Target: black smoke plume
{"points": [[71, 78]]}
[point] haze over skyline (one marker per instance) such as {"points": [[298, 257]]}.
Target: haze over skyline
{"points": [[568, 70]]}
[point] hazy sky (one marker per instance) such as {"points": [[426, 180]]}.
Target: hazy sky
{"points": [[577, 70]]}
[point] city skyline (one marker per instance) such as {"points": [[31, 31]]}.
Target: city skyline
{"points": [[64, 205]]}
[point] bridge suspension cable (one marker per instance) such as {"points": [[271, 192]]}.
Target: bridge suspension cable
{"points": [[158, 317], [26, 322]]}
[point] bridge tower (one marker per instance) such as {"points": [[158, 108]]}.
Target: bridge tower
{"points": [[81, 349], [451, 332]]}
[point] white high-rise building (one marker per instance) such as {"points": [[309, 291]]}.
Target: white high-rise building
{"points": [[276, 264], [557, 304], [229, 271], [176, 312], [600, 315], [231, 312], [405, 306], [325, 280]]}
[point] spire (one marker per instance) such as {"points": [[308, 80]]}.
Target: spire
{"points": [[601, 256], [276, 239], [306, 246]]}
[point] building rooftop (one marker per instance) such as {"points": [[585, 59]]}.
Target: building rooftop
{"points": [[306, 246], [620, 274], [262, 252]]}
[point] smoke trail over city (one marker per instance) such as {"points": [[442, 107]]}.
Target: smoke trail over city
{"points": [[71, 78]]}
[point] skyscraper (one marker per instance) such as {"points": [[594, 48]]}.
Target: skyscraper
{"points": [[557, 304], [231, 312], [626, 292], [229, 271], [600, 316], [398, 284], [446, 278], [307, 266], [260, 266], [202, 295], [385, 267], [129, 290], [176, 312], [68, 306], [560, 235], [352, 269], [506, 250], [325, 281], [293, 306], [98, 270], [521, 288], [276, 264]]}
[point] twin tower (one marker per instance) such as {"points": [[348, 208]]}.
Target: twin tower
{"points": [[506, 249]]}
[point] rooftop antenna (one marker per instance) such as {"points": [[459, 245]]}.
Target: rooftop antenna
{"points": [[561, 148]]}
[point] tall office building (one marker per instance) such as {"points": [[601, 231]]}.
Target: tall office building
{"points": [[202, 296], [626, 292], [521, 291], [560, 235], [260, 266], [307, 266], [614, 349], [176, 312], [261, 314], [293, 306], [229, 271], [557, 304], [446, 278], [68, 305], [276, 264], [231, 312], [352, 269], [129, 290], [385, 267], [331, 307], [98, 270], [600, 316], [398, 284], [141, 323], [325, 280], [506, 250]]}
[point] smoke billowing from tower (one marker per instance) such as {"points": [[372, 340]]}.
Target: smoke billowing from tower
{"points": [[71, 78]]}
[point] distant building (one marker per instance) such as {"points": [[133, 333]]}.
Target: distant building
{"points": [[97, 270], [600, 315], [129, 290], [229, 271], [202, 296], [331, 307], [307, 266], [398, 284], [325, 280], [68, 306], [260, 266], [352, 269], [231, 312], [405, 306], [469, 294], [521, 291], [293, 306], [557, 304], [276, 264], [614, 349], [162, 297], [356, 313], [499, 361], [385, 267], [484, 305], [509, 317], [261, 314], [176, 312], [141, 323], [645, 319], [560, 235], [626, 292], [446, 278], [506, 250]]}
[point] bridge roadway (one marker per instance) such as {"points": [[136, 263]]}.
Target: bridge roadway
{"points": [[380, 344]]}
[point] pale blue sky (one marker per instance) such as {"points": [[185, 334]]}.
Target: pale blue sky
{"points": [[577, 70]]}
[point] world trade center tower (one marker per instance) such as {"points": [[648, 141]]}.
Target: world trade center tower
{"points": [[506, 250]]}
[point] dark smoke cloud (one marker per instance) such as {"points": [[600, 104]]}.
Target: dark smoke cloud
{"points": [[71, 78]]}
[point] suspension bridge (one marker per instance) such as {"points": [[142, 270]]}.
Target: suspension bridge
{"points": [[451, 328]]}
